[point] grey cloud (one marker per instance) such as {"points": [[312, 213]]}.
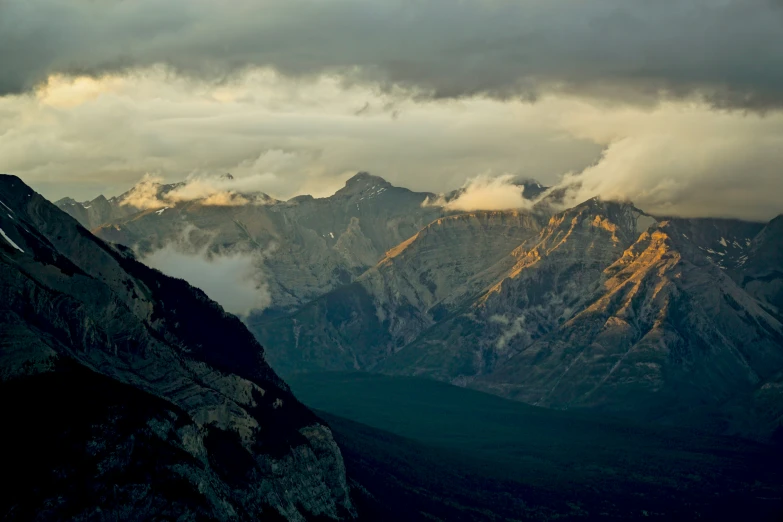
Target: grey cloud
{"points": [[727, 52], [234, 279], [231, 280]]}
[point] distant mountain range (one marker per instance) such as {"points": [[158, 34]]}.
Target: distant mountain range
{"points": [[600, 306]]}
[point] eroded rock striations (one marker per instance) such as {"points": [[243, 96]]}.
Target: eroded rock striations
{"points": [[128, 394]]}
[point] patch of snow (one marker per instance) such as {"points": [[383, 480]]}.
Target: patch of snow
{"points": [[747, 242], [686, 237], [736, 245], [88, 206], [159, 212], [331, 234], [723, 241], [10, 241], [6, 206]]}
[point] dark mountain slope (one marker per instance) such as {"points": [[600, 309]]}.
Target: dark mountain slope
{"points": [[171, 401], [762, 270], [726, 242]]}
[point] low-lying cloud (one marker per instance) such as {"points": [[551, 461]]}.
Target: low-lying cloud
{"points": [[235, 280], [148, 193], [682, 161], [485, 192]]}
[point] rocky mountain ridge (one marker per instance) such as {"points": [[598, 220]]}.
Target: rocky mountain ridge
{"points": [[130, 394]]}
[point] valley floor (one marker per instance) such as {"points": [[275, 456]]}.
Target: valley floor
{"points": [[425, 450]]}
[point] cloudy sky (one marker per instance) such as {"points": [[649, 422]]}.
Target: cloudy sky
{"points": [[675, 104]]}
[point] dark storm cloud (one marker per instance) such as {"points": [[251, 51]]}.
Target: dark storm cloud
{"points": [[728, 52]]}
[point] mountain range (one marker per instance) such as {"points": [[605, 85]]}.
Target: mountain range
{"points": [[598, 307]]}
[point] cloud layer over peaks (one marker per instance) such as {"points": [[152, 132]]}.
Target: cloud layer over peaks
{"points": [[150, 192], [485, 192]]}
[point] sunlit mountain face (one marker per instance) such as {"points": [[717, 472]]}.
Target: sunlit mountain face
{"points": [[383, 260]]}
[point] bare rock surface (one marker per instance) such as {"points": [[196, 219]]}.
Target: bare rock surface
{"points": [[128, 393]]}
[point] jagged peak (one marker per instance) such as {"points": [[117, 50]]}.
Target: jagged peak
{"points": [[609, 206], [531, 188], [623, 217], [362, 181], [776, 222], [770, 236], [301, 198], [364, 176]]}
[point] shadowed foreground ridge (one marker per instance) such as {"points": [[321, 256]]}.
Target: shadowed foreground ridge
{"points": [[129, 394]]}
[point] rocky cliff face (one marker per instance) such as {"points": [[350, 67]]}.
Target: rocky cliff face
{"points": [[542, 282], [128, 393], [667, 329], [761, 269], [416, 285], [91, 214]]}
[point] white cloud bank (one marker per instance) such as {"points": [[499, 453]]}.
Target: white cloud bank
{"points": [[682, 160], [485, 192], [207, 190]]}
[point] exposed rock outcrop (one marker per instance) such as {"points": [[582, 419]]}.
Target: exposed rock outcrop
{"points": [[130, 393]]}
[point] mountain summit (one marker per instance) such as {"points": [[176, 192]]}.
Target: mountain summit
{"points": [[362, 182]]}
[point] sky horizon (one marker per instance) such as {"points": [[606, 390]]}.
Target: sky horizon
{"points": [[673, 105]]}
